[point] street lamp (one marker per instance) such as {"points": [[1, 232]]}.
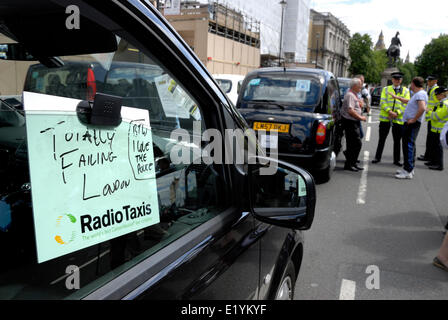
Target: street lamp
{"points": [[283, 4], [317, 47]]}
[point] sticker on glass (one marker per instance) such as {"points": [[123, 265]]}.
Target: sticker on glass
{"points": [[303, 85]]}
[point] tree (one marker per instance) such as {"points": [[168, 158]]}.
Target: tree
{"points": [[434, 59], [409, 72], [379, 65], [364, 60], [360, 53]]}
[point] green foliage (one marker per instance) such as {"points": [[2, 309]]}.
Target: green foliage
{"points": [[360, 50], [434, 59], [409, 72], [364, 60], [379, 64]]}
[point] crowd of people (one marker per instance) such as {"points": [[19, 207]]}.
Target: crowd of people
{"points": [[404, 110]]}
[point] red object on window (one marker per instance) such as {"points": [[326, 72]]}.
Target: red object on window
{"points": [[91, 85], [321, 133]]}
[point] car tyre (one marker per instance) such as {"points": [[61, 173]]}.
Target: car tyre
{"points": [[324, 175], [285, 290]]}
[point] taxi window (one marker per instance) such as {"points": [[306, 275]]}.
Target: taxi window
{"points": [[37, 252]]}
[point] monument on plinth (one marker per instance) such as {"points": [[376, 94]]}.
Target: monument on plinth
{"points": [[393, 53]]}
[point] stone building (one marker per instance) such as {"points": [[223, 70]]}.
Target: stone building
{"points": [[328, 43]]}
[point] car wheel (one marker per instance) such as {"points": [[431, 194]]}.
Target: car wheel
{"points": [[325, 174], [285, 290]]}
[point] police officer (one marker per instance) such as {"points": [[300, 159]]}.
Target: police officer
{"points": [[391, 113], [438, 117], [431, 86]]}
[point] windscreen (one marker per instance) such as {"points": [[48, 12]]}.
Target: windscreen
{"points": [[295, 89]]}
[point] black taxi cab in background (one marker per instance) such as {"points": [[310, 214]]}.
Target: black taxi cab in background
{"points": [[376, 96], [303, 106], [96, 201], [344, 86]]}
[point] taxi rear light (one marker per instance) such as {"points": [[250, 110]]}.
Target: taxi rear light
{"points": [[321, 133]]}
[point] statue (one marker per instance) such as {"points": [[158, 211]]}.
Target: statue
{"points": [[394, 50]]}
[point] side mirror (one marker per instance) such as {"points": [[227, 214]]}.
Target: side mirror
{"points": [[286, 199]]}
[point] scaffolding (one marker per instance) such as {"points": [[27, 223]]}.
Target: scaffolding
{"points": [[222, 21]]}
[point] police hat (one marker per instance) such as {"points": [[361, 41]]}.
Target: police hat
{"points": [[397, 75], [440, 90], [431, 77]]}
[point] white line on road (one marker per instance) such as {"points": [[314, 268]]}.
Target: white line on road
{"points": [[369, 129], [362, 190], [348, 288]]}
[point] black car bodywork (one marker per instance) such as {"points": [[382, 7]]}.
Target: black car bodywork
{"points": [[238, 254], [376, 96], [309, 141]]}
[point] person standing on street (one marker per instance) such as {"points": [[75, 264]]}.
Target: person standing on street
{"points": [[441, 260], [430, 89], [412, 118], [367, 98], [351, 113], [438, 117], [391, 113]]}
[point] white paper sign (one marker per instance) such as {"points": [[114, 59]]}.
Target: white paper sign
{"points": [[88, 184]]}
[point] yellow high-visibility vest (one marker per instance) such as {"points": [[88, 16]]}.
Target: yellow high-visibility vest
{"points": [[388, 103]]}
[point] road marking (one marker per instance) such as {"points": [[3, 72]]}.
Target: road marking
{"points": [[362, 190], [348, 288], [369, 129]]}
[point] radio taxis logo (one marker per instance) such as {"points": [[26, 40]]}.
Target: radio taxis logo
{"points": [[65, 225]]}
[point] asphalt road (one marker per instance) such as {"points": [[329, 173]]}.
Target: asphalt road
{"points": [[374, 236]]}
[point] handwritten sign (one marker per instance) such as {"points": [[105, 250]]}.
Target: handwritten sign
{"points": [[88, 184]]}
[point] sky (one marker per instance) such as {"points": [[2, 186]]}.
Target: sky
{"points": [[417, 21]]}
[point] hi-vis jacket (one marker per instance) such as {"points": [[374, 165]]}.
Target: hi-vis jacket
{"points": [[390, 104], [432, 102], [439, 115]]}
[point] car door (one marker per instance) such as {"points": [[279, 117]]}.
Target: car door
{"points": [[185, 236]]}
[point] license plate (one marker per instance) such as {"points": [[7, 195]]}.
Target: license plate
{"points": [[280, 127]]}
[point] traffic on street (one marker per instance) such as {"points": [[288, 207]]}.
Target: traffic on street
{"points": [[374, 237]]}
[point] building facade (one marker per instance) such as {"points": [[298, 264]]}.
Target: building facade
{"points": [[328, 43], [269, 14], [225, 40]]}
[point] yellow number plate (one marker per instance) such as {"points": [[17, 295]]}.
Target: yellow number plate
{"points": [[280, 127]]}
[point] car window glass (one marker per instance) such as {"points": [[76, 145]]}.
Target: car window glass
{"points": [[333, 96], [226, 85], [288, 88], [187, 194]]}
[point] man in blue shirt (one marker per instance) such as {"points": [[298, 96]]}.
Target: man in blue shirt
{"points": [[412, 118]]}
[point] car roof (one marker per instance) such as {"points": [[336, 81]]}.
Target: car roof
{"points": [[309, 71], [228, 76]]}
